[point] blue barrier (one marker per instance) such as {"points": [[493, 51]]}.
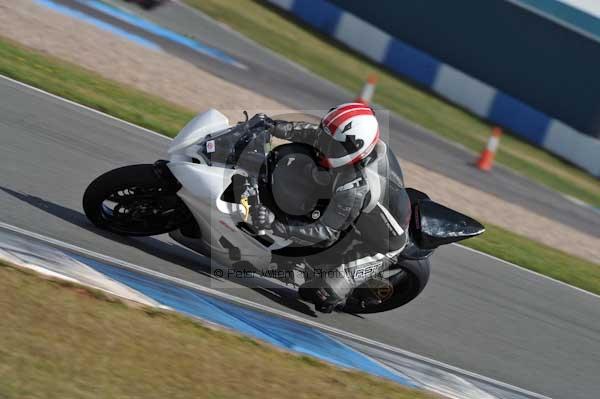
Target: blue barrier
{"points": [[518, 117], [322, 16], [466, 91], [412, 63]]}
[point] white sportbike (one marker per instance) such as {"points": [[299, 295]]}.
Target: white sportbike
{"points": [[203, 195]]}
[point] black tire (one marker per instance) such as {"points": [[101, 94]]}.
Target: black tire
{"points": [[407, 285], [146, 204]]}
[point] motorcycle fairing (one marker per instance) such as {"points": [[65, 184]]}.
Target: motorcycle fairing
{"points": [[202, 125]]}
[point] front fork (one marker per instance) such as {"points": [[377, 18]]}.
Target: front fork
{"points": [[190, 227], [163, 172]]}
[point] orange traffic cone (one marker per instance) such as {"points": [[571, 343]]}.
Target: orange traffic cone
{"points": [[366, 95], [486, 160]]}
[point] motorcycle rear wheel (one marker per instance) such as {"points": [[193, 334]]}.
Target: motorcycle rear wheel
{"points": [[134, 201], [406, 285]]}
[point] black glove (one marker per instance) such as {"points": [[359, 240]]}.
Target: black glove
{"points": [[262, 217], [261, 120]]}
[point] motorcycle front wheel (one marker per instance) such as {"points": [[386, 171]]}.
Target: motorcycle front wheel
{"points": [[134, 201]]}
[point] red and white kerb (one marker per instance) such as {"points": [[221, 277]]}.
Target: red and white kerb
{"points": [[351, 119]]}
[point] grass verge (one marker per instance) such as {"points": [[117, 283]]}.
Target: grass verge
{"points": [[90, 89], [330, 60], [61, 340], [538, 257]]}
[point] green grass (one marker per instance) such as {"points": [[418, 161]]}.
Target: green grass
{"points": [[538, 257], [60, 340], [88, 88], [332, 61]]}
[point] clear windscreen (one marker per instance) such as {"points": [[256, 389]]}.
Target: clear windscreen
{"points": [[236, 147]]}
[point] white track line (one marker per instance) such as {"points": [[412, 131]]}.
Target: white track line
{"points": [[264, 308], [528, 270], [169, 139], [82, 106]]}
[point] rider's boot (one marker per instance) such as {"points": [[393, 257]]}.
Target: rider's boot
{"points": [[329, 290]]}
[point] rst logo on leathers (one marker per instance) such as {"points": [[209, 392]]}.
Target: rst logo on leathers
{"points": [[366, 270]]}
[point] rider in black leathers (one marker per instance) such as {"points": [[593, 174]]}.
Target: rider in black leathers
{"points": [[365, 216]]}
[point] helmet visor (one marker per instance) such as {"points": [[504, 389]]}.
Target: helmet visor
{"points": [[332, 148]]}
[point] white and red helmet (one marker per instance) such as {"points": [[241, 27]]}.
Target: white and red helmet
{"points": [[355, 132]]}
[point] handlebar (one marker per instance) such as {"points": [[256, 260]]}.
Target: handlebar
{"points": [[243, 146]]}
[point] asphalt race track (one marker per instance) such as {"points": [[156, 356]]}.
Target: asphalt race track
{"points": [[477, 313]]}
